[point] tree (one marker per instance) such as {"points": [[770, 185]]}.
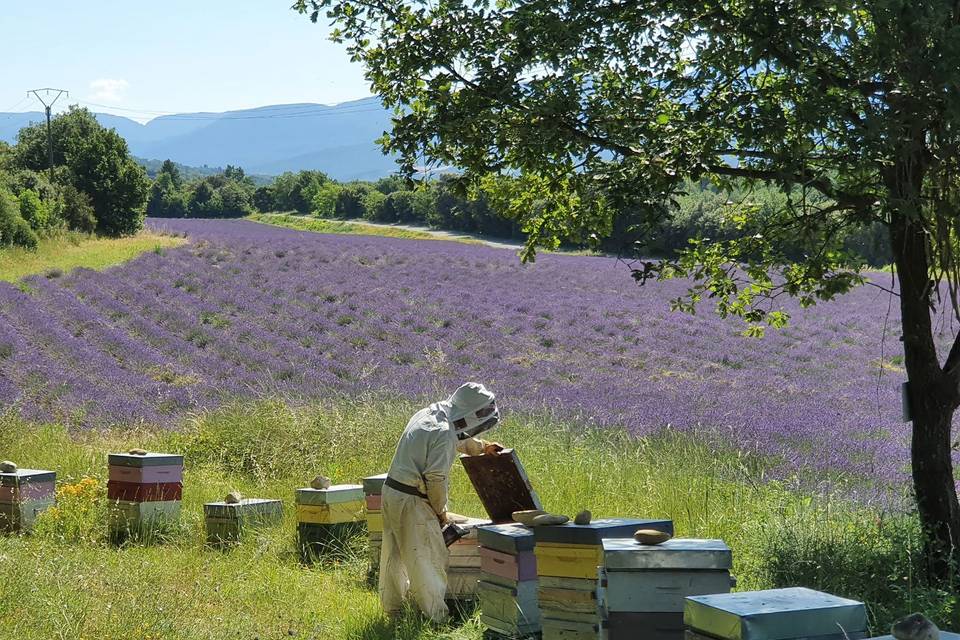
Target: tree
{"points": [[99, 164], [606, 104], [167, 198], [350, 201], [323, 198]]}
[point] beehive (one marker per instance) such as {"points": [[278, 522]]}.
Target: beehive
{"points": [[643, 587], [507, 591], [372, 495], [775, 614], [227, 522], [144, 492], [24, 494], [463, 563], [568, 557], [328, 518]]}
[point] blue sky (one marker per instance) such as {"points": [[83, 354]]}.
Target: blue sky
{"points": [[146, 59]]}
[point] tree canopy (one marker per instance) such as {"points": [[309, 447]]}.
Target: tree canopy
{"points": [[851, 108], [95, 161]]}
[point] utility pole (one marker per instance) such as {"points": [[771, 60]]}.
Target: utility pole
{"points": [[44, 101]]}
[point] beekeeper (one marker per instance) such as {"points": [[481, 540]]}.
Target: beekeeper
{"points": [[413, 558]]}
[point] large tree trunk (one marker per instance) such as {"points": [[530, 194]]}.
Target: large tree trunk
{"points": [[932, 392]]}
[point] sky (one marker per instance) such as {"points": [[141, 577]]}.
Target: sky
{"points": [[141, 60]]}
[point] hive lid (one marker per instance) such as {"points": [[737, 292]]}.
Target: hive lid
{"points": [[245, 506], [626, 554], [598, 530], [336, 494], [775, 614], [148, 460], [373, 485], [501, 483], [26, 476], [508, 538]]}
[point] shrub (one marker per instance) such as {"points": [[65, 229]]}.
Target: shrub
{"points": [[33, 210], [14, 230]]}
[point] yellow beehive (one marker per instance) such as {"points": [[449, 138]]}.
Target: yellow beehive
{"points": [[568, 560], [374, 521], [330, 513]]}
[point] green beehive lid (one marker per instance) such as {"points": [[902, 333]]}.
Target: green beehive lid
{"points": [[373, 485], [775, 614]]}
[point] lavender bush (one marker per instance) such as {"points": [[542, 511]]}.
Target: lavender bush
{"points": [[249, 310]]}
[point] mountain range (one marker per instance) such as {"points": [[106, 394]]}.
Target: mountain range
{"points": [[338, 140]]}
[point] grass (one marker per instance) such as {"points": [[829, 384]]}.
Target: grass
{"points": [[67, 582], [322, 225], [66, 251]]}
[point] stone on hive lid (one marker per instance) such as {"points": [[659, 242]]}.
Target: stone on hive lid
{"points": [[373, 485], [508, 538], [625, 554], [336, 494], [148, 460], [775, 614], [598, 530]]}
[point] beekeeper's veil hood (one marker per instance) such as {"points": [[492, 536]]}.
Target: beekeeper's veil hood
{"points": [[472, 410]]}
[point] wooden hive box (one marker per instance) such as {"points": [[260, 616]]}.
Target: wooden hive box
{"points": [[509, 609], [149, 468], [226, 522], [24, 495], [657, 578], [775, 614], [501, 483]]}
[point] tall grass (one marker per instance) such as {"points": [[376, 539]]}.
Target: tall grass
{"points": [[68, 250], [67, 582], [322, 225]]}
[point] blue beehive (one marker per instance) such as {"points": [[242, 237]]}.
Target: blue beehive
{"points": [[775, 614]]}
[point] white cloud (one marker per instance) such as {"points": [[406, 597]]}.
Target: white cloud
{"points": [[108, 90]]}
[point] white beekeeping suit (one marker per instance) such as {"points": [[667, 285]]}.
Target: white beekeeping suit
{"points": [[413, 558]]}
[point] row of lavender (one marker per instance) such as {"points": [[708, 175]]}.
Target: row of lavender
{"points": [[252, 310]]}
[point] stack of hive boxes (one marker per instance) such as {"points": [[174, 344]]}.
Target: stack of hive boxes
{"points": [[227, 521], [463, 568], [144, 490], [568, 558], [643, 586], [24, 493], [508, 580], [372, 490], [776, 614], [328, 518]]}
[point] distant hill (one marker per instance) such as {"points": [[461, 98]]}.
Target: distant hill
{"points": [[337, 140]]}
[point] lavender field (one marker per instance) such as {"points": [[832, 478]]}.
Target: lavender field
{"points": [[250, 311]]}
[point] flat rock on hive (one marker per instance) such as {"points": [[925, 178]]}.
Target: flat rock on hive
{"points": [[775, 614], [501, 483]]}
